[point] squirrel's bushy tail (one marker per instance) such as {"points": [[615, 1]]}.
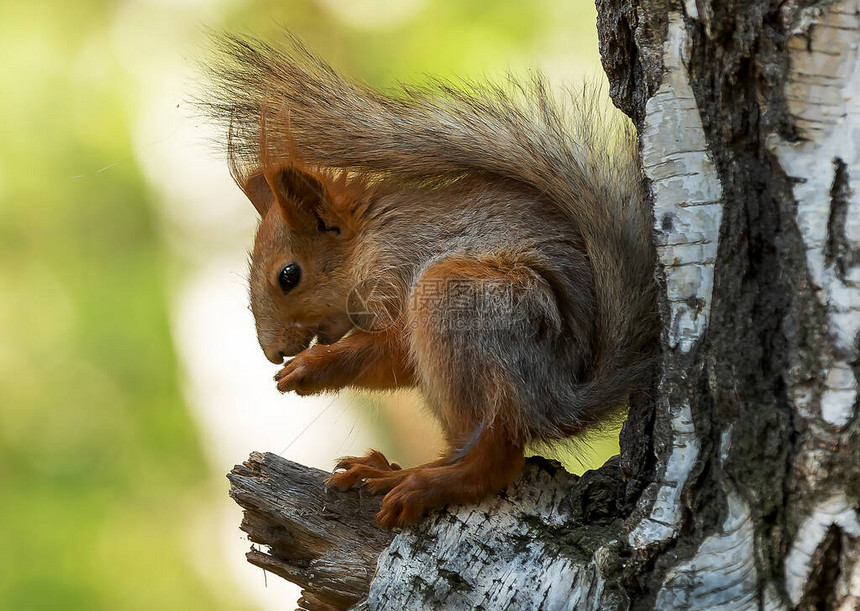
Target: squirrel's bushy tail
{"points": [[575, 153]]}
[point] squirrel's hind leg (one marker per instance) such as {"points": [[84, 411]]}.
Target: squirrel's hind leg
{"points": [[491, 463], [474, 319]]}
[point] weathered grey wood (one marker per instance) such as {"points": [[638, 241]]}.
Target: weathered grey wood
{"points": [[321, 539]]}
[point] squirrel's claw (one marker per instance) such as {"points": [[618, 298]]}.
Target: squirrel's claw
{"points": [[301, 374], [373, 470], [309, 372], [374, 458], [402, 506], [293, 377]]}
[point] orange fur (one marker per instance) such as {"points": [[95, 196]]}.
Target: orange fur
{"points": [[362, 360], [493, 463]]}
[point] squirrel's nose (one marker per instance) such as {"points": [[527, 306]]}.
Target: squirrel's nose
{"points": [[274, 355]]}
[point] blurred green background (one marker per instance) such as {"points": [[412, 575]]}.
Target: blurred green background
{"points": [[104, 474]]}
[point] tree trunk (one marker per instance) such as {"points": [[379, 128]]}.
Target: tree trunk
{"points": [[738, 483]]}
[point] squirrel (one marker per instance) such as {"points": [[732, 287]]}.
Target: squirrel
{"points": [[505, 238]]}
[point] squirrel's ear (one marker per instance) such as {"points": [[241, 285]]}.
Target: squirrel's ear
{"points": [[304, 202], [257, 190]]}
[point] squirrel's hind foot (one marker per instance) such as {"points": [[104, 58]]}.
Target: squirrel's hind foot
{"points": [[352, 470]]}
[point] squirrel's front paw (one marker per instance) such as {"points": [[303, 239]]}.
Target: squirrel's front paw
{"points": [[304, 374]]}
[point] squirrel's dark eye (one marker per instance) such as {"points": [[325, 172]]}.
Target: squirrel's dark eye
{"points": [[289, 276]]}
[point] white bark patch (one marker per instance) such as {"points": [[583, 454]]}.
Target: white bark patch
{"points": [[686, 192], [722, 574], [495, 554], [823, 95], [798, 563], [852, 586], [665, 517], [725, 443], [691, 8], [772, 600], [688, 211]]}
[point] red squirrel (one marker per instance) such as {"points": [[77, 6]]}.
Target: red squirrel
{"points": [[510, 236]]}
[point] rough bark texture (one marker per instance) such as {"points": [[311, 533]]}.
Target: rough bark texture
{"points": [[738, 484], [322, 540], [750, 142]]}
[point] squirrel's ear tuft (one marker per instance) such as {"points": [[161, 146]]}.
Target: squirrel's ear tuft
{"points": [[257, 189], [305, 190], [305, 202], [303, 199]]}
